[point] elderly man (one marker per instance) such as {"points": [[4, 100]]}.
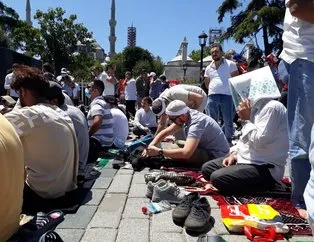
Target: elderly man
{"points": [[258, 160], [205, 139], [194, 97]]}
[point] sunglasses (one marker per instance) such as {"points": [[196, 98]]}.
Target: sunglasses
{"points": [[173, 119]]}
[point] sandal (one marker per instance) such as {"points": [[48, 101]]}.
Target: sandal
{"points": [[50, 236]]}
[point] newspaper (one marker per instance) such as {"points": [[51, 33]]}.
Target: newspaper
{"points": [[254, 85]]}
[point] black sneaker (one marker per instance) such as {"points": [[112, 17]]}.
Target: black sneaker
{"points": [[199, 220], [180, 213]]}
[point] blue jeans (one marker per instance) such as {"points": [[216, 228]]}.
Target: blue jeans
{"points": [[300, 120], [220, 104]]}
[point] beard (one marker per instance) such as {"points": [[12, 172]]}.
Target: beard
{"points": [[216, 58]]}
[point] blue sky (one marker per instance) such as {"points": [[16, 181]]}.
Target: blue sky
{"points": [[161, 24]]}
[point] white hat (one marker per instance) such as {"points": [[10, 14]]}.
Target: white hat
{"points": [[158, 106], [177, 108], [152, 74], [64, 71]]}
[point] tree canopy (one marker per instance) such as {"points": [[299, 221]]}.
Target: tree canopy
{"points": [[258, 15]]}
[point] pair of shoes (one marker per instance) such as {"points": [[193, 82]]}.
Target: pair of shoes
{"points": [[163, 190], [193, 213], [178, 178]]}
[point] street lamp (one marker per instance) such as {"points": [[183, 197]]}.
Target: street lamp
{"points": [[202, 41]]}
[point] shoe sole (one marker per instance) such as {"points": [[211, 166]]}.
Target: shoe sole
{"points": [[179, 222], [196, 233]]}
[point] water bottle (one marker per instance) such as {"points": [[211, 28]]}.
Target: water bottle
{"points": [[152, 207]]}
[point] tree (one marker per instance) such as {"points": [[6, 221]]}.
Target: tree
{"points": [[259, 15], [196, 54], [140, 66], [158, 65], [60, 36], [133, 54], [81, 66]]}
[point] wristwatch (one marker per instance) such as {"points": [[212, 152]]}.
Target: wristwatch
{"points": [[161, 152]]}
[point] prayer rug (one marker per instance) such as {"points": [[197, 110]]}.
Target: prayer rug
{"points": [[290, 216]]}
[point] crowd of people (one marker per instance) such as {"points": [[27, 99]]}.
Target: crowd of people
{"points": [[46, 140]]}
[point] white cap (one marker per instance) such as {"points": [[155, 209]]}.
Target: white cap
{"points": [[152, 74], [64, 71], [177, 108]]}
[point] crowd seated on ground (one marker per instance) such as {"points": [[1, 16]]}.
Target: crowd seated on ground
{"points": [[51, 162], [145, 119]]}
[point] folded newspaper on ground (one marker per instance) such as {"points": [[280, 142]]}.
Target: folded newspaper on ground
{"points": [[254, 85]]}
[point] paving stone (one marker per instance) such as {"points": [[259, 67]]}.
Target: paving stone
{"points": [[219, 227], [162, 222], [235, 238], [109, 211], [70, 235], [169, 237], [194, 239], [133, 230], [212, 202], [301, 238], [138, 190], [99, 234], [109, 164], [138, 178], [110, 173], [79, 220], [102, 182], [125, 172], [133, 208], [94, 197], [120, 184], [144, 171]]}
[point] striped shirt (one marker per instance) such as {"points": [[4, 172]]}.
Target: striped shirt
{"points": [[105, 132]]}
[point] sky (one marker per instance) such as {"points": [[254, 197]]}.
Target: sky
{"points": [[161, 25]]}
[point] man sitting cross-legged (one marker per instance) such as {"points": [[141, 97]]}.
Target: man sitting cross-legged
{"points": [[145, 120], [259, 158], [99, 120], [204, 138], [48, 138], [56, 97]]}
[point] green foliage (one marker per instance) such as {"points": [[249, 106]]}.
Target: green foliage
{"points": [[256, 16], [141, 65], [189, 81], [60, 36], [134, 54], [158, 66], [81, 67], [196, 54]]}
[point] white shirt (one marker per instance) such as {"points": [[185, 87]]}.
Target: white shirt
{"points": [[109, 87], [7, 83], [265, 139], [298, 39], [120, 127], [76, 90], [219, 78], [144, 119], [130, 90]]}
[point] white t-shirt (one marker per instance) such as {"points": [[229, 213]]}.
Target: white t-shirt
{"points": [[298, 39], [219, 78], [50, 148], [109, 87], [76, 90], [7, 83], [130, 90], [120, 127]]}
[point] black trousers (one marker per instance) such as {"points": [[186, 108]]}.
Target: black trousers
{"points": [[138, 132], [239, 178], [130, 108]]}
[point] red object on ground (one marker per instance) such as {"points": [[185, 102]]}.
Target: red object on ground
{"points": [[173, 82], [258, 235]]}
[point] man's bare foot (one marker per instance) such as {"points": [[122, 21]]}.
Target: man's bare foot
{"points": [[303, 213]]}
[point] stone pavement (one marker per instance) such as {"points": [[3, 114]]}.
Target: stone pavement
{"points": [[112, 212]]}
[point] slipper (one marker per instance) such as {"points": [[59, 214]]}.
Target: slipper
{"points": [[50, 236]]}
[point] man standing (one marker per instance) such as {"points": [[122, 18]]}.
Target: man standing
{"points": [[298, 57], [219, 101], [130, 94], [142, 87], [8, 80], [155, 86], [48, 138]]}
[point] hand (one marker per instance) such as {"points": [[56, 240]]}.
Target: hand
{"points": [[230, 160], [244, 110], [152, 151], [146, 129]]}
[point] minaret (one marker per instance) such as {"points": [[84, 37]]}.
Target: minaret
{"points": [[28, 12], [112, 24]]}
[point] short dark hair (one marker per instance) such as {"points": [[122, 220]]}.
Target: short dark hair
{"points": [[99, 85], [55, 92], [217, 45], [128, 73], [148, 100], [30, 78], [163, 77], [109, 65], [48, 68]]}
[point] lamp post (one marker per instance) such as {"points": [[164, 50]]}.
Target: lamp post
{"points": [[202, 41]]}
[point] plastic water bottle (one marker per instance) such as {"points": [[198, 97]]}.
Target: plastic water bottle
{"points": [[153, 207]]}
